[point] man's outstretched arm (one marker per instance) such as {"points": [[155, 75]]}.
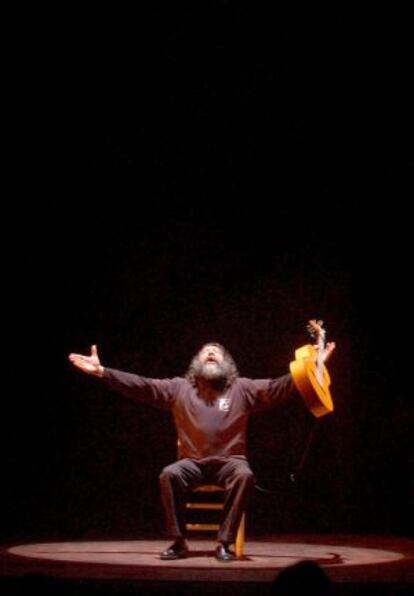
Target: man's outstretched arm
{"points": [[156, 392], [265, 393]]}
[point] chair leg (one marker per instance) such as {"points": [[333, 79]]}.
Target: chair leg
{"points": [[240, 538]]}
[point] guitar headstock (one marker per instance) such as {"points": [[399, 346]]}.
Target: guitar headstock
{"points": [[316, 330]]}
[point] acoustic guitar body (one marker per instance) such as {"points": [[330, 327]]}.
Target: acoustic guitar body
{"points": [[312, 381]]}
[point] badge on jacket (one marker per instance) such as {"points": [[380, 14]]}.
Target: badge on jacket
{"points": [[224, 404]]}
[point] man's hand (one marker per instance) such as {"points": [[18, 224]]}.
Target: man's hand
{"points": [[329, 348], [88, 364]]}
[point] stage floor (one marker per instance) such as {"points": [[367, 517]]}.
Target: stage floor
{"points": [[344, 558]]}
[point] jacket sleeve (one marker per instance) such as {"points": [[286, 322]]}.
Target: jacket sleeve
{"points": [[155, 392], [263, 394]]}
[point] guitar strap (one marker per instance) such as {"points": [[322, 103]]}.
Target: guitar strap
{"points": [[296, 472], [293, 476]]}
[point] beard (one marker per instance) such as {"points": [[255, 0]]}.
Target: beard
{"points": [[217, 375], [213, 372]]}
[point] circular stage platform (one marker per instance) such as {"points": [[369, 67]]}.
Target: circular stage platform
{"points": [[343, 558]]}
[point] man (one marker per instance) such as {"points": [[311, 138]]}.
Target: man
{"points": [[210, 407]]}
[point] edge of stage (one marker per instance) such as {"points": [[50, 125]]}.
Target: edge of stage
{"points": [[348, 560]]}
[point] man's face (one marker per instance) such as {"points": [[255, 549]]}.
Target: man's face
{"points": [[211, 360], [210, 353]]}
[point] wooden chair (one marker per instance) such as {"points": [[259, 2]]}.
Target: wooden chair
{"points": [[210, 505]]}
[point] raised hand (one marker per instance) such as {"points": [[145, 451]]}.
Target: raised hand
{"points": [[329, 348], [88, 364]]}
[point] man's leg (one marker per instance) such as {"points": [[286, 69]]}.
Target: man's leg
{"points": [[238, 480], [175, 482]]}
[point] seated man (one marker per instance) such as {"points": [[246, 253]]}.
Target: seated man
{"points": [[210, 407]]}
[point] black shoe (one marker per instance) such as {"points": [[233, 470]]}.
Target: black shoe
{"points": [[224, 554], [178, 550]]}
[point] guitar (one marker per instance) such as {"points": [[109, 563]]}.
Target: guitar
{"points": [[310, 375]]}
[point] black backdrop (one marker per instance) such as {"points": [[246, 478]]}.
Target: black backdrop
{"points": [[185, 174]]}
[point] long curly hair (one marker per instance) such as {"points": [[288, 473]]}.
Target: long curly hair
{"points": [[231, 372]]}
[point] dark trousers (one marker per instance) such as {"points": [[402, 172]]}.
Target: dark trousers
{"points": [[177, 480]]}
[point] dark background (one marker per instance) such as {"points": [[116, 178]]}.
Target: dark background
{"points": [[187, 173]]}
